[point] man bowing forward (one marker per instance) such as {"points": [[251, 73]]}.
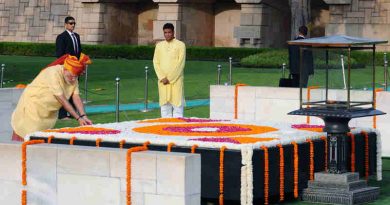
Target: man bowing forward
{"points": [[169, 61]]}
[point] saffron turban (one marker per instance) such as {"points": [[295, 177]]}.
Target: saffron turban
{"points": [[71, 63]]}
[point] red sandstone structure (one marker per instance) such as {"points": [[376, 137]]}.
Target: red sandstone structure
{"points": [[228, 23]]}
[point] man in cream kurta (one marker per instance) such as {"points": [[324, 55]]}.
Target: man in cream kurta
{"points": [[38, 106], [169, 60]]}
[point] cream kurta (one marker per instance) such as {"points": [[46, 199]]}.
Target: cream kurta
{"points": [[169, 60], [38, 107]]}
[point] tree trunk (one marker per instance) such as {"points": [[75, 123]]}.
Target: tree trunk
{"points": [[300, 15]]}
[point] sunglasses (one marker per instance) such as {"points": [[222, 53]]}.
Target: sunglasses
{"points": [[72, 23]]}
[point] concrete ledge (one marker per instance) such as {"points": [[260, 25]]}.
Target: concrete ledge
{"points": [[63, 174]]}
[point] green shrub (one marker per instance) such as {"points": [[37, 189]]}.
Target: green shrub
{"points": [[126, 51], [266, 59], [275, 59]]}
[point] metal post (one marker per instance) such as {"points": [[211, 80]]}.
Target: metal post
{"points": [[386, 72], [342, 67], [146, 91], [117, 79], [283, 69], [86, 85], [230, 70], [219, 75], [2, 75], [386, 75]]}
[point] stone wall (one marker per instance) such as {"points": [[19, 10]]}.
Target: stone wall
{"points": [[364, 18], [246, 23], [63, 174]]}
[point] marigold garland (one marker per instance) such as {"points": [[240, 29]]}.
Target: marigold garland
{"points": [[193, 148], [311, 165], [128, 171], [170, 145], [296, 164], [281, 173], [121, 143], [71, 142], [308, 99], [49, 139], [266, 174], [221, 174], [326, 151], [98, 141], [353, 151], [24, 158], [84, 130], [223, 129], [236, 99], [145, 144], [24, 197], [366, 155]]}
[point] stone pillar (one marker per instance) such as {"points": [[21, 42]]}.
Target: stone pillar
{"points": [[168, 12], [253, 24]]}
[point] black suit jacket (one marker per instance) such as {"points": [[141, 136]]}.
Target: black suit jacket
{"points": [[64, 45], [294, 61]]}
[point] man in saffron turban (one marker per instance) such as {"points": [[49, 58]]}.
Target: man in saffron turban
{"points": [[38, 106]]}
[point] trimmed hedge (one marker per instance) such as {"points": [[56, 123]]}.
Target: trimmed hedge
{"points": [[276, 57], [126, 51]]}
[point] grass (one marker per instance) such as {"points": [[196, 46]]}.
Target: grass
{"points": [[199, 75]]}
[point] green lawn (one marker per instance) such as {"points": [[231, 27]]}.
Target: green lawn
{"points": [[199, 75]]}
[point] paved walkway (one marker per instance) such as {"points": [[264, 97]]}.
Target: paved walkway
{"points": [[92, 109]]}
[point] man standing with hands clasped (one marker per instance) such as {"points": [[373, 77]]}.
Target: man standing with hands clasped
{"points": [[68, 42], [169, 61]]}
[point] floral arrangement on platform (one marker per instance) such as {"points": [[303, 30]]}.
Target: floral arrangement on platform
{"points": [[212, 133], [218, 134]]}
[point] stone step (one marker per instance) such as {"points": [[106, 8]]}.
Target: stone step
{"points": [[358, 196], [336, 178], [339, 186]]}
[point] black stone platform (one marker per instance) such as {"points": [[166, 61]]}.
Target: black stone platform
{"points": [[344, 188], [232, 171]]}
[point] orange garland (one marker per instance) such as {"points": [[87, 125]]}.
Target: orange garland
{"points": [[24, 197], [236, 99], [121, 143], [308, 100], [366, 155], [71, 142], [49, 139], [374, 105], [193, 148], [170, 145], [24, 158], [128, 171], [311, 166], [161, 129], [145, 144], [98, 141], [281, 173], [266, 174], [326, 151], [221, 174], [296, 164], [353, 151]]}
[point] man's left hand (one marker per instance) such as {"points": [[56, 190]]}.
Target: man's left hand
{"points": [[84, 121], [165, 81]]}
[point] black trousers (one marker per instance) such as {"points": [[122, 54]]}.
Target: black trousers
{"points": [[295, 79], [62, 113]]}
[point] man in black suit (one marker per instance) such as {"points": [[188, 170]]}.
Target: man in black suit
{"points": [[294, 61], [68, 42]]}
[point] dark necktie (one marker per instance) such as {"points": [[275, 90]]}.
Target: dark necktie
{"points": [[76, 49]]}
